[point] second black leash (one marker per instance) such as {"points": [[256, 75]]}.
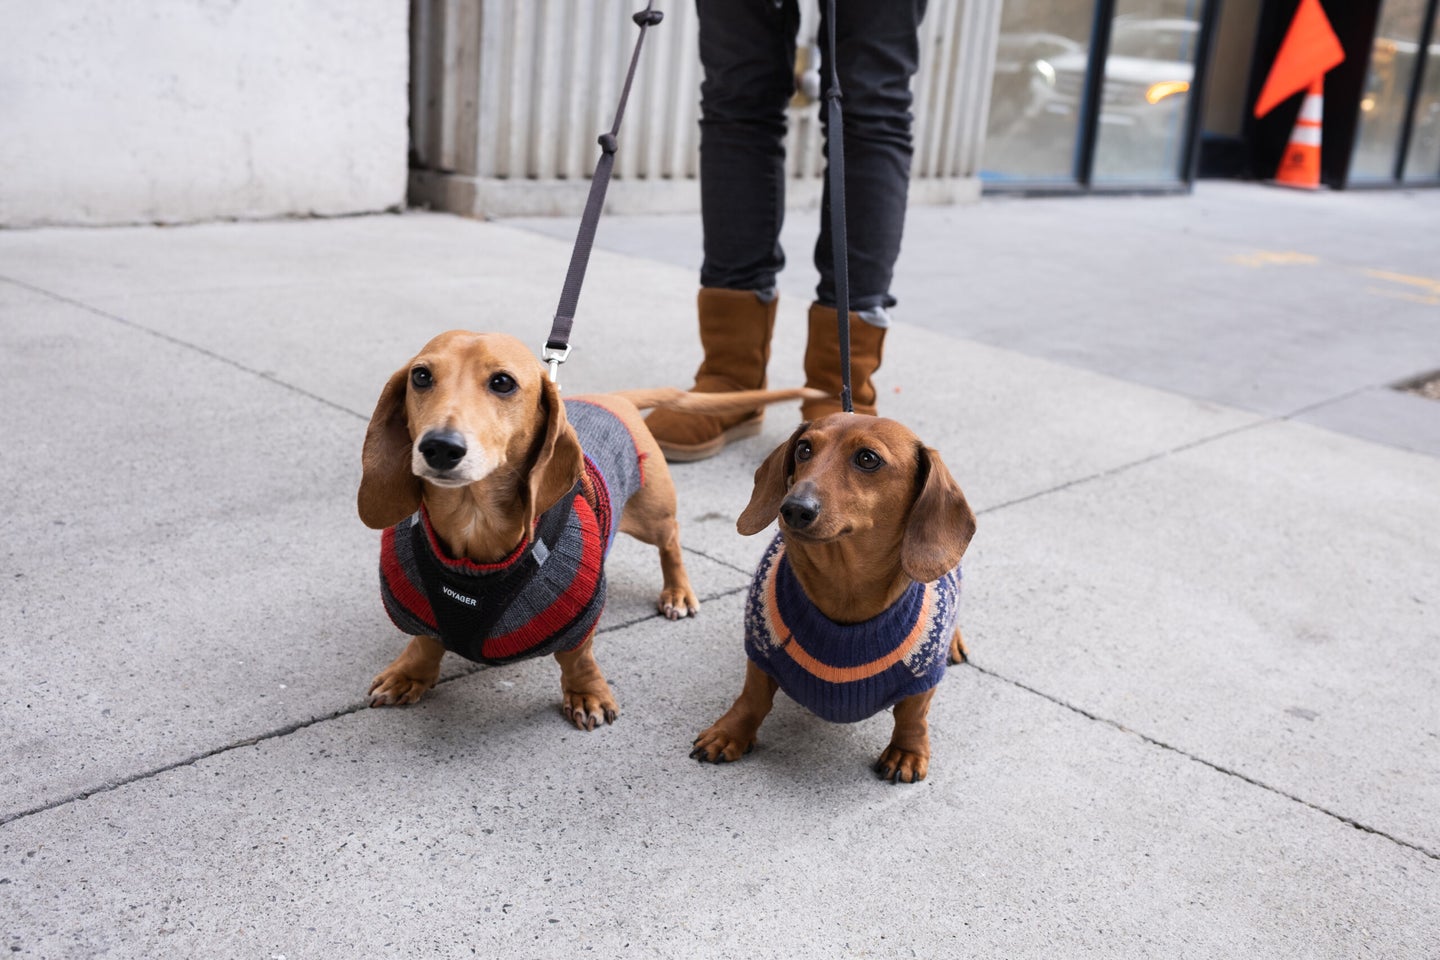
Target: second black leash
{"points": [[835, 149], [557, 345]]}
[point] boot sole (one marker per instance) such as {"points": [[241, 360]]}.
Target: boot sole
{"points": [[688, 453]]}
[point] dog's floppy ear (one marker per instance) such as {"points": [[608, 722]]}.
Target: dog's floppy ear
{"points": [[941, 522], [389, 491], [772, 479], [556, 461]]}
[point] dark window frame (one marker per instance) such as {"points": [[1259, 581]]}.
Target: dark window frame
{"points": [[1396, 179], [1082, 181]]}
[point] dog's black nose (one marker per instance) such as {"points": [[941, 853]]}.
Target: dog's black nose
{"points": [[442, 449], [799, 510]]}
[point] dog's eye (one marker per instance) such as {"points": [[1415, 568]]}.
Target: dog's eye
{"points": [[421, 378], [802, 450], [868, 460], [503, 383]]}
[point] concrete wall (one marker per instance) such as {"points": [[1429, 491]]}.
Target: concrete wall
{"points": [[125, 111]]}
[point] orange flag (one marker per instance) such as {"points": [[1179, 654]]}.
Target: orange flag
{"points": [[1310, 50]]}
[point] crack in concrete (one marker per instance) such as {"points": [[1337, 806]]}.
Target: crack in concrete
{"points": [[278, 732], [289, 728], [1131, 464], [724, 563], [1219, 768], [1182, 448], [185, 344]]}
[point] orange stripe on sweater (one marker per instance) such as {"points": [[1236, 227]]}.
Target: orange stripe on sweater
{"points": [[825, 671]]}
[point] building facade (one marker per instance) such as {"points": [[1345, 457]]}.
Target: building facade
{"points": [[1034, 96], [193, 110]]}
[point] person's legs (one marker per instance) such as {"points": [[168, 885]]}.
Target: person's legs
{"points": [[877, 53], [747, 49]]}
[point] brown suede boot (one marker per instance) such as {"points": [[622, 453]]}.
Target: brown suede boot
{"points": [[735, 328], [822, 362]]}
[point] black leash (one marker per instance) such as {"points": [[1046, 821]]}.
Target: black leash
{"points": [[557, 345], [835, 147]]}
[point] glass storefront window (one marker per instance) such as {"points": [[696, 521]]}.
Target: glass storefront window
{"points": [[1039, 84], [1038, 107], [1387, 86], [1146, 93], [1422, 162]]}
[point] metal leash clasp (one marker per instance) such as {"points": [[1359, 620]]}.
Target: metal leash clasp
{"points": [[554, 356]]}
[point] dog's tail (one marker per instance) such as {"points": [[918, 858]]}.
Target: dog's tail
{"points": [[737, 401]]}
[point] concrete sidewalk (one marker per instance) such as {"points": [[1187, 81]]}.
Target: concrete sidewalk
{"points": [[1203, 717]]}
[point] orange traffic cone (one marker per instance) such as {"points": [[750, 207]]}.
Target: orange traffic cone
{"points": [[1300, 165]]}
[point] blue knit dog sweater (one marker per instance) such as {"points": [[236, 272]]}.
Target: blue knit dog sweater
{"points": [[547, 595], [847, 672]]}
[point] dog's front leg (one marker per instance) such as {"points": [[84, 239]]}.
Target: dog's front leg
{"points": [[677, 597], [588, 700], [409, 675], [733, 735], [907, 759], [958, 653]]}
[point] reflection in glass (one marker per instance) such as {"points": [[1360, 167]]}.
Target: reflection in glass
{"points": [[1038, 86], [1422, 163], [1387, 85], [1146, 93]]}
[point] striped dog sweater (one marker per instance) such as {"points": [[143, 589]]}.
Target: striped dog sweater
{"points": [[547, 595], [847, 672]]}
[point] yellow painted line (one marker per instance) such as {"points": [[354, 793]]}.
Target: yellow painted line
{"points": [[1423, 282], [1273, 258], [1428, 288]]}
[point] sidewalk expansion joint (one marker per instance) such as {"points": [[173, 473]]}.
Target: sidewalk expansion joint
{"points": [[289, 728], [1132, 464], [1219, 768], [724, 563], [183, 344], [278, 732], [1261, 423]]}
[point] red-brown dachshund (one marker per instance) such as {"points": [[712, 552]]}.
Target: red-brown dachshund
{"points": [[853, 608]]}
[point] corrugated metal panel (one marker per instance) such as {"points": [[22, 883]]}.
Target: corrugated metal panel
{"points": [[519, 90]]}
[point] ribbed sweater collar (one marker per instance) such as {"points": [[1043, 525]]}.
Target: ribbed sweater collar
{"points": [[844, 644]]}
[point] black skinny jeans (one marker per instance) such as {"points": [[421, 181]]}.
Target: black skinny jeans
{"points": [[747, 49]]}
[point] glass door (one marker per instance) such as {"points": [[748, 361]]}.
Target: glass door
{"points": [[1094, 94], [1398, 137], [1146, 103], [1038, 91], [1422, 160]]}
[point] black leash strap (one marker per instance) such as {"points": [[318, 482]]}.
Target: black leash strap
{"points": [[835, 147], [557, 345]]}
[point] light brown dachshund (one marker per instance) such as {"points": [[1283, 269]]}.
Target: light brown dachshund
{"points": [[853, 608], [499, 503]]}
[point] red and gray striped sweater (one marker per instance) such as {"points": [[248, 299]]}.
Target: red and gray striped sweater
{"points": [[545, 597]]}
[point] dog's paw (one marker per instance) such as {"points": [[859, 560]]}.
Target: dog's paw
{"points": [[395, 687], [717, 745], [588, 709], [902, 766], [676, 603], [958, 653]]}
